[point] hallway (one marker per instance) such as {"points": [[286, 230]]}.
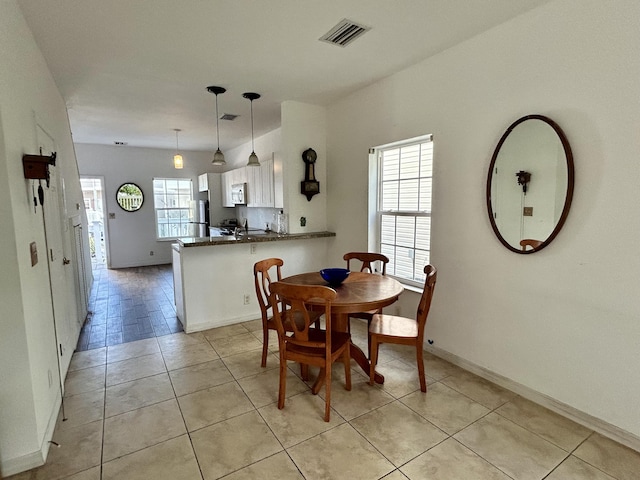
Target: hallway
{"points": [[129, 304]]}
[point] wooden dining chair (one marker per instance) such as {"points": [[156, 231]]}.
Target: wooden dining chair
{"points": [[402, 330], [266, 272], [371, 263], [306, 345], [529, 242]]}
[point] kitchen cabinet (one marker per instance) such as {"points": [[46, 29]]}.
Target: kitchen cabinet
{"points": [[265, 185], [206, 181], [229, 178]]}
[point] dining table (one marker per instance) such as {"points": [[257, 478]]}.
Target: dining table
{"points": [[359, 292]]}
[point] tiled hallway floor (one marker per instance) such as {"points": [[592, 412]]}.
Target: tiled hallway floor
{"points": [[129, 304], [199, 406]]}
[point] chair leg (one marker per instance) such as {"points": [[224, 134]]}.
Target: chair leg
{"points": [[283, 383], [265, 346], [374, 359], [423, 383], [327, 400]]}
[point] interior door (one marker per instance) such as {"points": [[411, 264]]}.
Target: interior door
{"points": [[54, 230]]}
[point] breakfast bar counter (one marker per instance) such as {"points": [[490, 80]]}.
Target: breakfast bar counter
{"points": [[214, 287]]}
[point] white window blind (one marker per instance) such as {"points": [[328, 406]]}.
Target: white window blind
{"points": [[171, 198], [404, 207]]}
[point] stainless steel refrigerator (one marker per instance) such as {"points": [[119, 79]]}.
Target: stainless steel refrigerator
{"points": [[199, 218]]}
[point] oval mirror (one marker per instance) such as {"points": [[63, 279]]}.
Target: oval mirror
{"points": [[130, 197], [530, 184]]}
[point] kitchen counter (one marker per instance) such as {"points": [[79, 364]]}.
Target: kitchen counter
{"points": [[251, 237], [214, 287]]}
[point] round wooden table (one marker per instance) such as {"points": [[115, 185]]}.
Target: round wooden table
{"points": [[360, 292]]}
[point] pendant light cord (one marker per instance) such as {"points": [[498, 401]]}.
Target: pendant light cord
{"points": [[177, 147], [252, 147], [217, 120]]}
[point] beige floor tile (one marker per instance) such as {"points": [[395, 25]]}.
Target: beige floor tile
{"points": [[125, 397], [213, 405], [248, 363], [135, 368], [610, 457], [243, 342], [170, 460], [85, 380], [395, 475], [435, 367], [276, 467], [124, 351], [180, 340], [451, 461], [400, 378], [91, 474], [199, 377], [301, 418], [82, 408], [340, 453], [514, 450], [485, 393], [445, 408], [362, 397], [233, 444], [88, 358], [224, 332], [253, 325], [142, 428], [189, 355], [575, 469], [397, 432], [80, 449], [262, 389], [549, 425]]}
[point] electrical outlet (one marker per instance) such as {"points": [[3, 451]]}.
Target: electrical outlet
{"points": [[246, 299], [253, 249], [50, 378], [151, 253], [527, 212]]}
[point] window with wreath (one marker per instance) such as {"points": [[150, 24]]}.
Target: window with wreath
{"points": [[403, 206], [172, 197]]}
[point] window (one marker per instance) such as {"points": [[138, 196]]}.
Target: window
{"points": [[405, 178], [171, 198]]}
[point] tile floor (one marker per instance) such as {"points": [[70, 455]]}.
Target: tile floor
{"points": [[129, 304], [199, 406]]}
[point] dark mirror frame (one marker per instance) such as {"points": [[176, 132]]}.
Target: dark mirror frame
{"points": [[141, 193], [570, 183]]}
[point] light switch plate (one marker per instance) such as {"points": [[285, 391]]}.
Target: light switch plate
{"points": [[527, 212]]}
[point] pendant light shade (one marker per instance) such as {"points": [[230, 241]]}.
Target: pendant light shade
{"points": [[253, 158], [218, 157], [178, 163]]}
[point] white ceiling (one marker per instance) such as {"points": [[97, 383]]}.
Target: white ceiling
{"points": [[133, 70]]}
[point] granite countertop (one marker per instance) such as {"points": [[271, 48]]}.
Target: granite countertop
{"points": [[252, 237]]}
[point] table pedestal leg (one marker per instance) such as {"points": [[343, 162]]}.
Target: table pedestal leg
{"points": [[340, 322]]}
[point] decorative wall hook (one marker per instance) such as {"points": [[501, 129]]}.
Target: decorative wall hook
{"points": [[523, 179]]}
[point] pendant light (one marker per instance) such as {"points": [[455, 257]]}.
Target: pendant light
{"points": [[177, 158], [218, 157], [253, 158]]}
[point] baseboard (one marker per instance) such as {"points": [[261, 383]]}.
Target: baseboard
{"points": [[589, 421], [38, 458], [198, 327]]}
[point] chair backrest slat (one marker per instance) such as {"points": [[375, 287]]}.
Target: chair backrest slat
{"points": [[367, 259], [263, 281]]}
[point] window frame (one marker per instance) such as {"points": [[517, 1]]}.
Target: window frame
{"points": [[376, 212], [182, 221]]}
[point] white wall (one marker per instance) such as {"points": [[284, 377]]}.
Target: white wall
{"points": [[563, 322], [28, 96], [132, 235]]}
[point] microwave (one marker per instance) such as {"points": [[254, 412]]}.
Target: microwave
{"points": [[239, 193]]}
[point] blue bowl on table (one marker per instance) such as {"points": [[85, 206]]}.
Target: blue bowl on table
{"points": [[334, 276]]}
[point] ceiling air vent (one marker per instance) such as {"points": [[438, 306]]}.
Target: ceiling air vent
{"points": [[228, 116], [120, 144], [344, 33]]}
